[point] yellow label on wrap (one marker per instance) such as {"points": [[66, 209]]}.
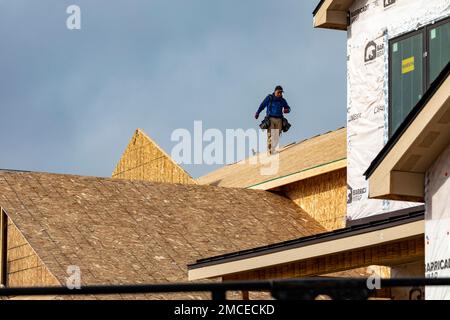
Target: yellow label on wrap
{"points": [[408, 65]]}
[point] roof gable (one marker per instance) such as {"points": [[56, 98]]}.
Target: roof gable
{"points": [[143, 159]]}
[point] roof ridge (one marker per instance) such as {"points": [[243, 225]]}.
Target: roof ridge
{"points": [[13, 170]]}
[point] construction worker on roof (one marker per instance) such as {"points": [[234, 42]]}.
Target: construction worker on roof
{"points": [[274, 121]]}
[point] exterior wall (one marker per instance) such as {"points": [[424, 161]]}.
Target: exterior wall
{"points": [[437, 225], [372, 24], [322, 197], [409, 270], [24, 266], [144, 160]]}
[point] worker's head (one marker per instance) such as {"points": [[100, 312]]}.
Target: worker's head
{"points": [[278, 92]]}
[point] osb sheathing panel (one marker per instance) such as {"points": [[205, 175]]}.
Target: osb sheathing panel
{"points": [[303, 155], [143, 159], [24, 266], [128, 231], [323, 197]]}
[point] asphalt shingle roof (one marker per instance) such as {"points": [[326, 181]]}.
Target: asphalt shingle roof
{"points": [[122, 231]]}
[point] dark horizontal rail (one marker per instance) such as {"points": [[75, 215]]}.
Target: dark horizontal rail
{"points": [[218, 289]]}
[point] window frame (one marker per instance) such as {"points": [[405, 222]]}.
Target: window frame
{"points": [[424, 68], [425, 31], [428, 28]]}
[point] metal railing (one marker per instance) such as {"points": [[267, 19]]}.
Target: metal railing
{"points": [[289, 289]]}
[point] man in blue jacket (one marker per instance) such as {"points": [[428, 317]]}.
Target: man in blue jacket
{"points": [[276, 105]]}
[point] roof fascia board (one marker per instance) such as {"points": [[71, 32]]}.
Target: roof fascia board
{"points": [[388, 215], [301, 175], [319, 5]]}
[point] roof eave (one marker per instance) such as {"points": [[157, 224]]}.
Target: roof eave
{"points": [[332, 14]]}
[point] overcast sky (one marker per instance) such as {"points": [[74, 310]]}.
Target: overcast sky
{"points": [[70, 100]]}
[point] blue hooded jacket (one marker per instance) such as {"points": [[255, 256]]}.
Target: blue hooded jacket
{"points": [[274, 106]]}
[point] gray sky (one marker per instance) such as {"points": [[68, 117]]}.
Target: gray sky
{"points": [[70, 100]]}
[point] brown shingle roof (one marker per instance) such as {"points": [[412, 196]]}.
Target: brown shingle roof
{"points": [[303, 155], [121, 231]]}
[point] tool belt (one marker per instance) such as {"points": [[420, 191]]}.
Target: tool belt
{"points": [[286, 125], [265, 124]]}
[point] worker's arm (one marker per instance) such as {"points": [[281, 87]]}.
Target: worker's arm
{"points": [[286, 107], [262, 106]]}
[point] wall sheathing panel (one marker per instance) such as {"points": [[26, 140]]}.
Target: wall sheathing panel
{"points": [[24, 267], [143, 159], [322, 197]]}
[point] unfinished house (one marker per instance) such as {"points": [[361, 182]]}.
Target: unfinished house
{"points": [[143, 159], [397, 56], [119, 231], [373, 194], [130, 230]]}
